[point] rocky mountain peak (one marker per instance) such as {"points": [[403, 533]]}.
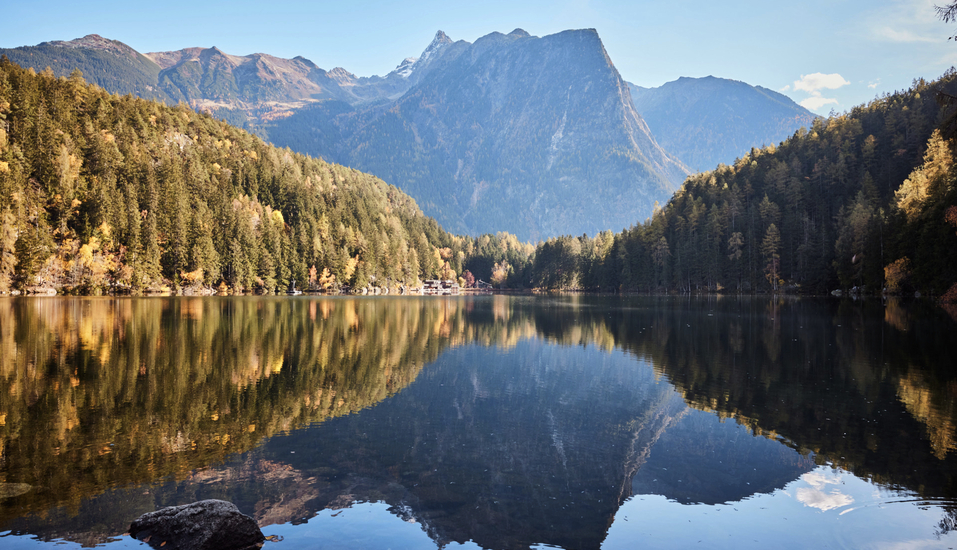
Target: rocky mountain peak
{"points": [[94, 42], [440, 38], [306, 62], [440, 41], [534, 136], [341, 76], [418, 66]]}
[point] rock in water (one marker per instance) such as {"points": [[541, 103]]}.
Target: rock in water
{"points": [[203, 525], [10, 490]]}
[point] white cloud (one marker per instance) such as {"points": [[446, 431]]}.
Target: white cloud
{"points": [[816, 498], [785, 89], [874, 84], [811, 83], [816, 102], [817, 494]]}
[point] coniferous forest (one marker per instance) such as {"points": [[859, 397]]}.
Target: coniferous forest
{"points": [[864, 199], [107, 193], [103, 192]]}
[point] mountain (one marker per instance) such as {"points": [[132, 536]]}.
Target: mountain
{"points": [[534, 136], [106, 192], [862, 202], [243, 90], [109, 64], [710, 121], [262, 86]]}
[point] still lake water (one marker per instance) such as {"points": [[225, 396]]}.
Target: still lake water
{"points": [[483, 422]]}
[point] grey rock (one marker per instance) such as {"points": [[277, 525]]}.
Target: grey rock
{"points": [[203, 525], [534, 136]]}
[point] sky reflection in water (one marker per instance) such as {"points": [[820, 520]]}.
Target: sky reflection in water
{"points": [[495, 422]]}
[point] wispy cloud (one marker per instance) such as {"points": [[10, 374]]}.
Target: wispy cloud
{"points": [[874, 84], [902, 35], [812, 83], [907, 21]]}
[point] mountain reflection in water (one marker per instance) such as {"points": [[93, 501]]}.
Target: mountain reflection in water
{"points": [[504, 421]]}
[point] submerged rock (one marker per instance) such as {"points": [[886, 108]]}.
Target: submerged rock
{"points": [[10, 490], [203, 525]]}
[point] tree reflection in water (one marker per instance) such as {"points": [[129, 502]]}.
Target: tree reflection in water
{"points": [[530, 420]]}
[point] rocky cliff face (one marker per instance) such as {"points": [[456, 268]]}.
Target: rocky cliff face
{"points": [[708, 121], [535, 136]]}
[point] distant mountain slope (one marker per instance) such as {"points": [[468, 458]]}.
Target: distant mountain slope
{"points": [[109, 64], [243, 90], [210, 78], [535, 136], [709, 121]]}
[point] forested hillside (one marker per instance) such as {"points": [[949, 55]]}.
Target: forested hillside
{"points": [[106, 192], [864, 199]]}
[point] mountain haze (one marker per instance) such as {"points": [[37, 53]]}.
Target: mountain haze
{"points": [[535, 136], [710, 121]]}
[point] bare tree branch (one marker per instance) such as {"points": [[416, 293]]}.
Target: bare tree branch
{"points": [[947, 13]]}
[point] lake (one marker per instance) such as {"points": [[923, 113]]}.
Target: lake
{"points": [[498, 422]]}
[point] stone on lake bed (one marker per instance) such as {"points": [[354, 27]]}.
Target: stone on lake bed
{"points": [[203, 525], [10, 490]]}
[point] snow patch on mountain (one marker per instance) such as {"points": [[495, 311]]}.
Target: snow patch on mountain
{"points": [[410, 65], [404, 69]]}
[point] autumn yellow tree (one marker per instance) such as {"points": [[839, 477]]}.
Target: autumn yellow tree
{"points": [[929, 180], [895, 274]]}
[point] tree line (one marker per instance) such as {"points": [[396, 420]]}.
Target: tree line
{"points": [[861, 201], [104, 192]]}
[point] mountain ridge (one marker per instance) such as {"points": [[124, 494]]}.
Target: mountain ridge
{"points": [[336, 114], [710, 121], [534, 136]]}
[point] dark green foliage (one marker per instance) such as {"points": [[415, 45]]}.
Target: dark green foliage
{"points": [[102, 191], [122, 74], [828, 208]]}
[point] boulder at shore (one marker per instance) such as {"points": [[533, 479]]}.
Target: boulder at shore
{"points": [[203, 525]]}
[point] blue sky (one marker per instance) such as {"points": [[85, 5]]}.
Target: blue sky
{"points": [[825, 54]]}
